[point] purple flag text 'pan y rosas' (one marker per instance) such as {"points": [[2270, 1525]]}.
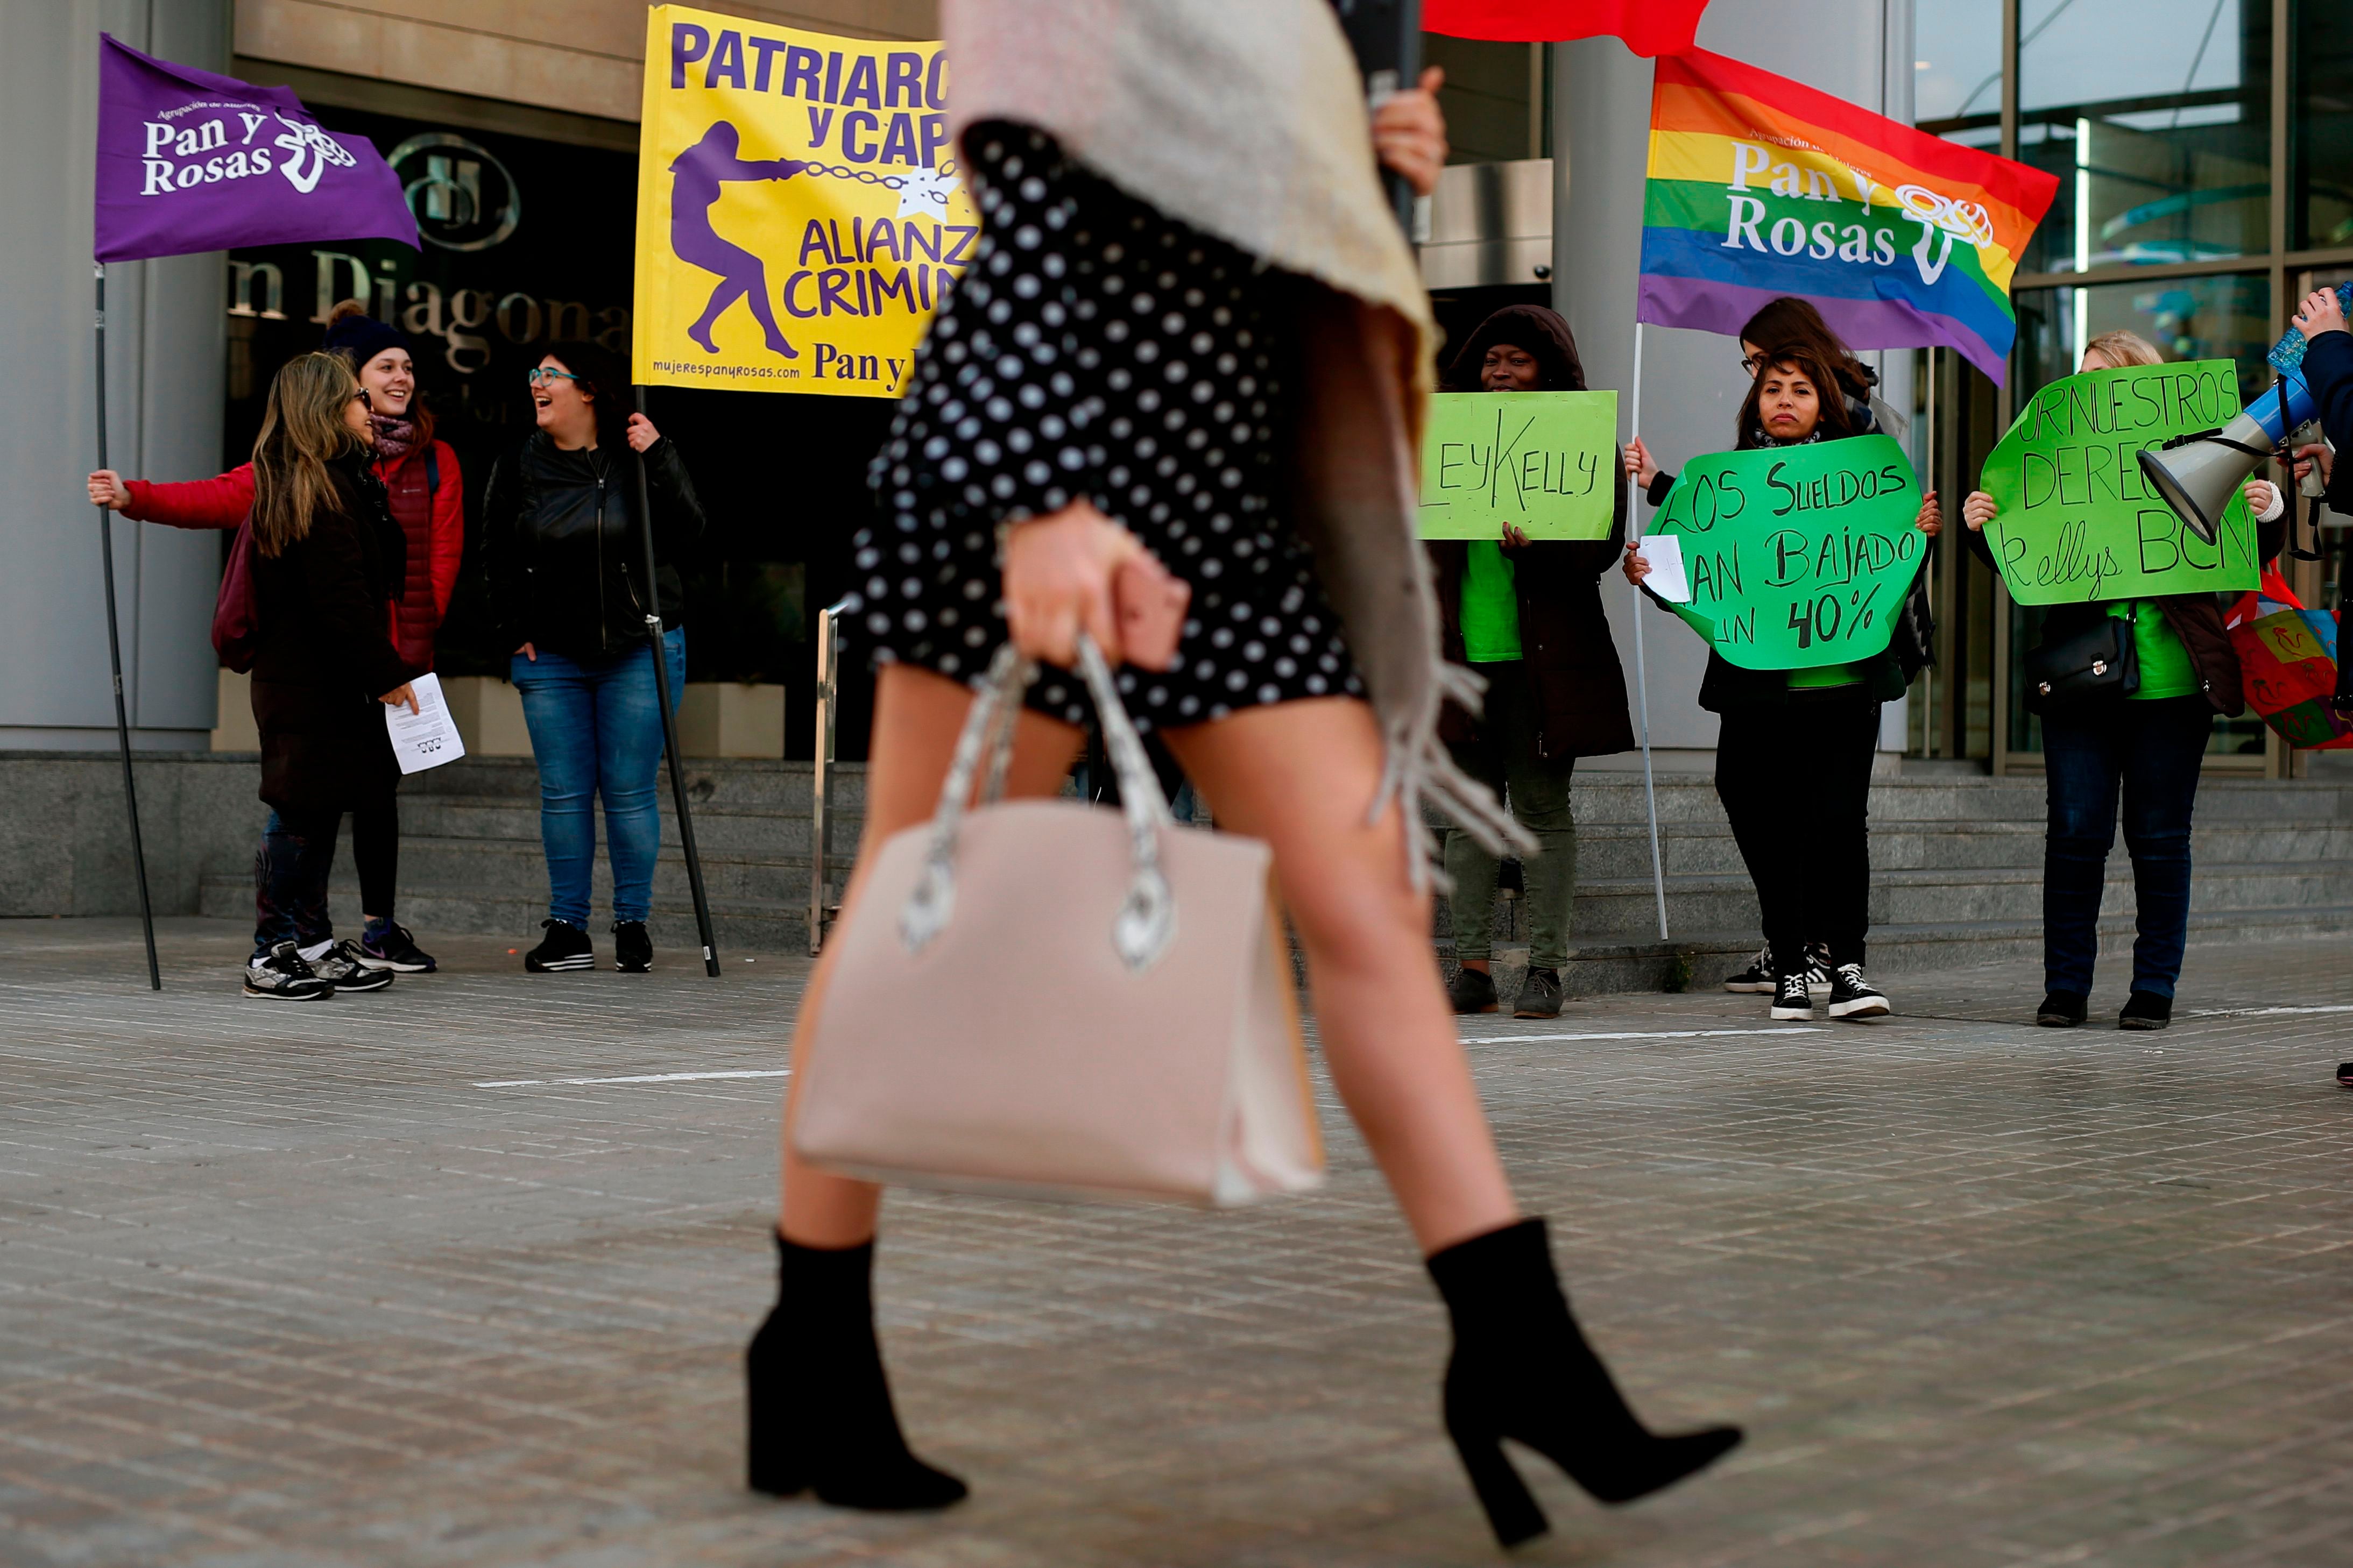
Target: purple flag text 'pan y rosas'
{"points": [[188, 161]]}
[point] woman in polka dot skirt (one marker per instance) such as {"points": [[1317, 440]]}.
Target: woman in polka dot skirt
{"points": [[1114, 411]]}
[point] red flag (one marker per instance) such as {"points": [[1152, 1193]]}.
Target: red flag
{"points": [[1649, 26]]}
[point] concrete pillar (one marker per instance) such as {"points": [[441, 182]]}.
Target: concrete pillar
{"points": [[166, 344], [1692, 382]]}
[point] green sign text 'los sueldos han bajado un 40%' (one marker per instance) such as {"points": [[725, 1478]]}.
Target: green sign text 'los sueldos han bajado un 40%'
{"points": [[2079, 522], [1544, 462], [1798, 556]]}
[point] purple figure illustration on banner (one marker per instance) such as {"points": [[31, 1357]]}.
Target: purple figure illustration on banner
{"points": [[697, 176]]}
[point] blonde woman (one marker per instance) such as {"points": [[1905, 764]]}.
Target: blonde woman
{"points": [[1154, 384], [329, 561], [2148, 745]]}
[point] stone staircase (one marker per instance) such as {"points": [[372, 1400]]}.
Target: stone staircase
{"points": [[1957, 868]]}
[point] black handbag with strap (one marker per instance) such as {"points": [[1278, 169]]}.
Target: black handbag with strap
{"points": [[2098, 664]]}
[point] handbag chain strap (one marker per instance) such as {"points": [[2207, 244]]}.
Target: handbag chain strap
{"points": [[1147, 922]]}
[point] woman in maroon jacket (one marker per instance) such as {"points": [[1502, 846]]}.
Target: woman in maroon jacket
{"points": [[426, 494]]}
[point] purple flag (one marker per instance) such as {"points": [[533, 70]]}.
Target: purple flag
{"points": [[188, 161]]}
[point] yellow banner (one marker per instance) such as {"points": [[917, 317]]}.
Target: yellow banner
{"points": [[799, 212]]}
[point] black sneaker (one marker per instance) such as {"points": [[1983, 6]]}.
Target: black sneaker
{"points": [[1539, 996], [2344, 1074], [1853, 996], [566, 947], [1757, 980], [285, 976], [1790, 1000], [1818, 968], [340, 967], [2060, 1010], [633, 950], [2145, 1010], [391, 947], [1473, 992]]}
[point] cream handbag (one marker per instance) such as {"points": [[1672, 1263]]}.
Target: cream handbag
{"points": [[1038, 998]]}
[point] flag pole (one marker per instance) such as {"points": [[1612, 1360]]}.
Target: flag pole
{"points": [[114, 652], [1641, 683], [670, 724]]}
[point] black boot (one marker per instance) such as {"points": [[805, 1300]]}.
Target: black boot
{"points": [[819, 1405], [1521, 1369]]}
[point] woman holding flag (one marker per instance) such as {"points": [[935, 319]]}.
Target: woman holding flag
{"points": [[426, 494], [1788, 319], [1803, 826], [1155, 385]]}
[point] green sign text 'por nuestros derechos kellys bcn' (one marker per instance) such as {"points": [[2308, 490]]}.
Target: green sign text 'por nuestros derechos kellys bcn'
{"points": [[1798, 556], [2079, 522]]}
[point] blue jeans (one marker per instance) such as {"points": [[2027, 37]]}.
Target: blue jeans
{"points": [[595, 729], [2153, 749]]}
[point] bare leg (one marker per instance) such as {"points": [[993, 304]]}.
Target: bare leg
{"points": [[1301, 775], [917, 716]]}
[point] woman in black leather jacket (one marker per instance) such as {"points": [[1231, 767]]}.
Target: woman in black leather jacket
{"points": [[564, 547]]}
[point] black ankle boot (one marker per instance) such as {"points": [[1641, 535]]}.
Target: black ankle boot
{"points": [[1522, 1370], [820, 1406]]}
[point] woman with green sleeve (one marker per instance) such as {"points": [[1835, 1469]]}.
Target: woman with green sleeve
{"points": [[2147, 745], [1794, 748], [1526, 615]]}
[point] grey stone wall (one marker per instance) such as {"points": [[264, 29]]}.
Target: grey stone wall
{"points": [[65, 848]]}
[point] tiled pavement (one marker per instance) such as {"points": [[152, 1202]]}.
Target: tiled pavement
{"points": [[291, 1286]]}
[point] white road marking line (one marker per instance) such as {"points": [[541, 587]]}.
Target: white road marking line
{"points": [[1648, 1035], [635, 1077], [1468, 1040], [2266, 1012]]}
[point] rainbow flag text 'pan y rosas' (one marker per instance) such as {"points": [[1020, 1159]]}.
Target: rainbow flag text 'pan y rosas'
{"points": [[1761, 186]]}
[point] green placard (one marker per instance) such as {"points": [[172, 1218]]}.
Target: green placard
{"points": [[1798, 556], [1544, 461], [2079, 522]]}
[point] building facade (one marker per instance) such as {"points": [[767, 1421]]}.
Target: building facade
{"points": [[2203, 146]]}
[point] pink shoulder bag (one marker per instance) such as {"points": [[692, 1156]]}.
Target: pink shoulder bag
{"points": [[1038, 998]]}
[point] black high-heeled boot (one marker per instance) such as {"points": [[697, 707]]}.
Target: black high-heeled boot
{"points": [[819, 1405], [1522, 1370]]}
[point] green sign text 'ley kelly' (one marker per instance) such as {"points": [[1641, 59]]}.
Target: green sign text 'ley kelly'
{"points": [[1798, 556], [1545, 462], [2078, 522]]}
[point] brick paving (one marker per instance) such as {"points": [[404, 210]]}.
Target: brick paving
{"points": [[287, 1286]]}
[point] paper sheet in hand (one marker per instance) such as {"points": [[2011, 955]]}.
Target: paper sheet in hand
{"points": [[1664, 552], [427, 738]]}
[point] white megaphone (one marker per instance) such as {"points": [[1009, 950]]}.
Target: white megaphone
{"points": [[2199, 474]]}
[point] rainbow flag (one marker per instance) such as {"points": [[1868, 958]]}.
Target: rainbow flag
{"points": [[1761, 186]]}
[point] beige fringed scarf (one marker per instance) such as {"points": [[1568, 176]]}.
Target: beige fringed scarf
{"points": [[1246, 120]]}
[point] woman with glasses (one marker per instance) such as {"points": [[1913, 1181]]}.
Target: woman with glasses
{"points": [[328, 563], [563, 544]]}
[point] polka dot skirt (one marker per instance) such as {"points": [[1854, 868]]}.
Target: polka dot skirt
{"points": [[1098, 349]]}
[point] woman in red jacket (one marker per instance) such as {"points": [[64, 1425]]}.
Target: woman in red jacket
{"points": [[427, 499]]}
